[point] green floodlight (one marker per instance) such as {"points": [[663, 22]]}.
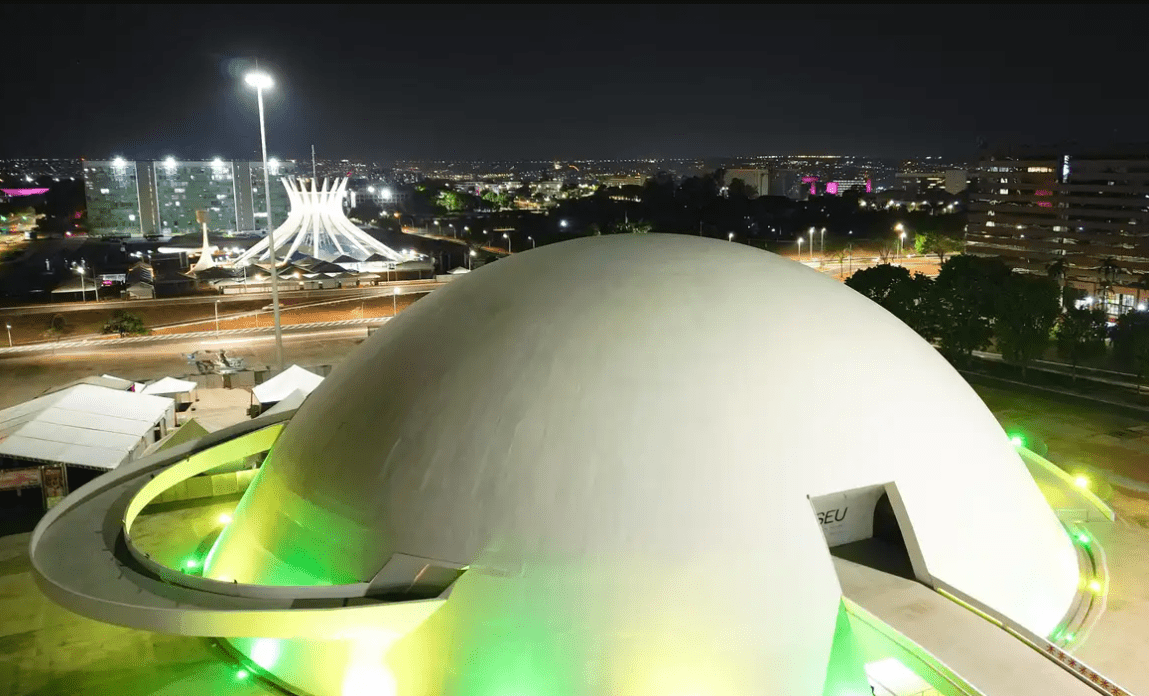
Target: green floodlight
{"points": [[242, 674], [1016, 440], [1068, 637], [1083, 537], [191, 563]]}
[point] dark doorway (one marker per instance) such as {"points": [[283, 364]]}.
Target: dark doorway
{"points": [[886, 549]]}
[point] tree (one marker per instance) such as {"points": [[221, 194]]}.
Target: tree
{"points": [[1025, 314], [1107, 272], [366, 211], [884, 253], [1080, 335], [1131, 342], [627, 227], [1059, 271], [739, 189], [57, 327], [125, 323], [898, 292], [964, 301], [942, 245]]}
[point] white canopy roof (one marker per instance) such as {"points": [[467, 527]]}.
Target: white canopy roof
{"points": [[280, 386], [169, 385], [84, 425], [288, 403]]}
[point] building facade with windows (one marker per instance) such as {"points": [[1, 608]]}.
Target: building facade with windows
{"points": [[132, 199], [113, 194], [1079, 215]]}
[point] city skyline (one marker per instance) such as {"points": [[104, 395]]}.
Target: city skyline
{"points": [[558, 82]]}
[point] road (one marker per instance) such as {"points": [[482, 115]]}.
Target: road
{"points": [[375, 290], [26, 374]]}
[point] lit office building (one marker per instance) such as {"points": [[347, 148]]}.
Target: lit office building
{"points": [[161, 198], [182, 188], [1087, 210], [112, 190]]}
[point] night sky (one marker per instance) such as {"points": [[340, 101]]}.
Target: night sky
{"points": [[536, 82]]}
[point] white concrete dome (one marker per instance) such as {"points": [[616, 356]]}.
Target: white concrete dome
{"points": [[620, 437]]}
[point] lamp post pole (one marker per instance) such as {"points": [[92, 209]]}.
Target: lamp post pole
{"points": [[260, 81], [9, 327], [800, 240], [823, 241], [532, 240], [217, 318], [506, 237], [394, 300]]}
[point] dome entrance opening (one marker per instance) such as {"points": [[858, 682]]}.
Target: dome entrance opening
{"points": [[861, 525]]}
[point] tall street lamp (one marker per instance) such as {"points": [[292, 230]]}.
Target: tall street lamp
{"points": [[800, 240], [9, 327], [823, 245], [261, 81], [508, 242], [730, 237], [812, 231], [901, 230], [469, 257], [217, 319], [532, 241], [394, 300]]}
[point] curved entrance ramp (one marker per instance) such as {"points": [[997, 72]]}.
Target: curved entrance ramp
{"points": [[83, 559]]}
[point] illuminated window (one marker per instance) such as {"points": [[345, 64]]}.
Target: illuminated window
{"points": [[105, 191]]}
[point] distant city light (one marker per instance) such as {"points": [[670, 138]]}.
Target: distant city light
{"points": [[170, 161], [118, 161]]}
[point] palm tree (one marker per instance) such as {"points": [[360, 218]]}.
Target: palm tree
{"points": [[1058, 270], [1142, 283], [1108, 272], [840, 256]]}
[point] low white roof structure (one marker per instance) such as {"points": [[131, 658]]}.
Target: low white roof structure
{"points": [[168, 386], [288, 403], [279, 387], [83, 425]]}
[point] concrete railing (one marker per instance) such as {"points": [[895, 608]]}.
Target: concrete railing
{"points": [[1066, 661], [911, 649]]}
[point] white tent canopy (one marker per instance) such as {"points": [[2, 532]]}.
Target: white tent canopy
{"points": [[288, 403], [168, 386], [282, 385], [84, 425]]}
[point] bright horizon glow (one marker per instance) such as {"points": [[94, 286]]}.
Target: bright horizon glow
{"points": [[259, 80]]}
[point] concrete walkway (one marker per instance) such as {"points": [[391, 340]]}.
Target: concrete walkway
{"points": [[993, 661]]}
